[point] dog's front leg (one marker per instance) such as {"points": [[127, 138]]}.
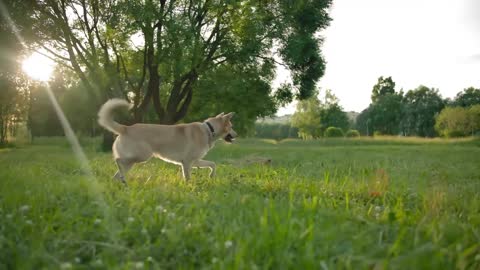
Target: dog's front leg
{"points": [[118, 176], [206, 164], [186, 169]]}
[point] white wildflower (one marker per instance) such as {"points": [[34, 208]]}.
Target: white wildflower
{"points": [[98, 262], [29, 222], [228, 244], [131, 219], [24, 208], [163, 230], [97, 221], [150, 259], [77, 260], [66, 265], [159, 208], [139, 265], [214, 260]]}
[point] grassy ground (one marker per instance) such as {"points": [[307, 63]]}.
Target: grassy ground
{"points": [[334, 204]]}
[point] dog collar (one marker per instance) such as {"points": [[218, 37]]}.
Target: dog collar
{"points": [[210, 127]]}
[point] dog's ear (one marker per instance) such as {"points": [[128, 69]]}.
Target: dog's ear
{"points": [[220, 115], [229, 115]]}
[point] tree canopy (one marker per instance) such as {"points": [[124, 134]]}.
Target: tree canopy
{"points": [[157, 51], [383, 87], [422, 105], [468, 97]]}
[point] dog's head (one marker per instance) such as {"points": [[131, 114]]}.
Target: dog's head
{"points": [[223, 126]]}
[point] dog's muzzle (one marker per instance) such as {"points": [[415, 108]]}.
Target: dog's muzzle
{"points": [[230, 137]]}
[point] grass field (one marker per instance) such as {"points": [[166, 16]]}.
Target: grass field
{"points": [[334, 204]]}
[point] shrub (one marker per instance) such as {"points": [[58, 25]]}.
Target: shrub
{"points": [[352, 133], [333, 132]]}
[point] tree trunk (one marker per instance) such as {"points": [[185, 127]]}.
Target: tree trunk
{"points": [[2, 134], [178, 102], [107, 141]]}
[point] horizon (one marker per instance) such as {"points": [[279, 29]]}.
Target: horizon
{"points": [[423, 48]]}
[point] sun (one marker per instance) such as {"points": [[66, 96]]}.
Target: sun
{"points": [[38, 67]]}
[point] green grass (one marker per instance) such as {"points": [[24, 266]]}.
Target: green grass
{"points": [[332, 204]]}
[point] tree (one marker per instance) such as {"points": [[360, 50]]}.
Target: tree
{"points": [[422, 105], [453, 122], [307, 118], [313, 116], [234, 88], [469, 97], [7, 107], [334, 116], [363, 122], [181, 41], [474, 118], [43, 119], [13, 87], [383, 87], [387, 114]]}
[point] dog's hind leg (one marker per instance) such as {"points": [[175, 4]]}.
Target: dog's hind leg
{"points": [[124, 166], [206, 164]]}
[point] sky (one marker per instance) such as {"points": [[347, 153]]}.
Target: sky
{"points": [[435, 43]]}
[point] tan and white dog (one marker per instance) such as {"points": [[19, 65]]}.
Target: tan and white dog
{"points": [[182, 144]]}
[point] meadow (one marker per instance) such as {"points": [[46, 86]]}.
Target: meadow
{"points": [[383, 203]]}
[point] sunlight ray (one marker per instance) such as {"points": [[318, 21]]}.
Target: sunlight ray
{"points": [[40, 69]]}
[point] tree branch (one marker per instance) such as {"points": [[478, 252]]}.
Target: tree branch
{"points": [[273, 60], [184, 108]]}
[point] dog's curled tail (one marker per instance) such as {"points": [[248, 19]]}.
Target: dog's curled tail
{"points": [[105, 117]]}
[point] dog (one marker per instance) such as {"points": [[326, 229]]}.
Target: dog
{"points": [[181, 144]]}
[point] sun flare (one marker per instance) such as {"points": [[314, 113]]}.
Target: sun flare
{"points": [[38, 67]]}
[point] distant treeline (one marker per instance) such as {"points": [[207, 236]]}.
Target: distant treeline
{"points": [[420, 112], [275, 131]]}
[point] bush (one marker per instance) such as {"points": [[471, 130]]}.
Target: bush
{"points": [[352, 133], [333, 132], [454, 134]]}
